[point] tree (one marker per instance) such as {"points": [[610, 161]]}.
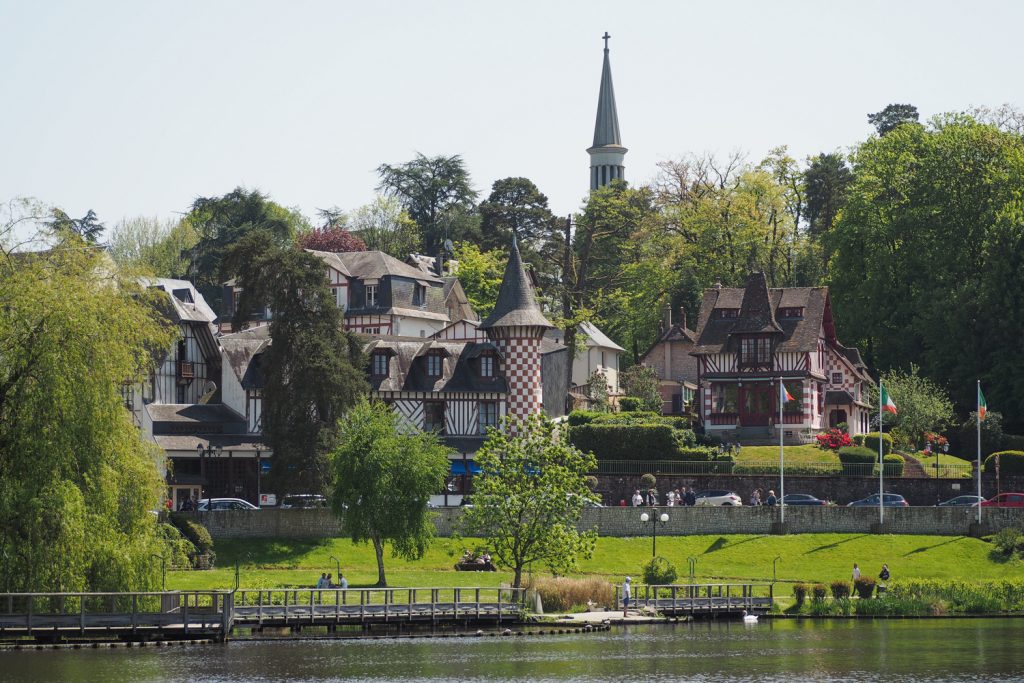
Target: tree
{"points": [[220, 222], [87, 227], [480, 273], [827, 178], [158, 247], [516, 207], [641, 382], [922, 406], [329, 238], [77, 482], [384, 225], [313, 369], [892, 116], [530, 495], [437, 194], [597, 390], [383, 480]]}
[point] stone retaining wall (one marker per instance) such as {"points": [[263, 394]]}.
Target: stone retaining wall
{"points": [[617, 521]]}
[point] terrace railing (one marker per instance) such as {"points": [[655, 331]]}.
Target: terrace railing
{"points": [[718, 467]]}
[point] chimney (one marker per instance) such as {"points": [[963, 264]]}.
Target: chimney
{"points": [[682, 317], [666, 317]]}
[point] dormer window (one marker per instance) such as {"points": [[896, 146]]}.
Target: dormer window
{"points": [[791, 312], [487, 366], [419, 295], [435, 365], [726, 313], [380, 364], [371, 296]]}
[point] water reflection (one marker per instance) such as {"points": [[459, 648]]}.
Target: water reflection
{"points": [[889, 651]]}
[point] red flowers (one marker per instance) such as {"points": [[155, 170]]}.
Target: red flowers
{"points": [[834, 439]]}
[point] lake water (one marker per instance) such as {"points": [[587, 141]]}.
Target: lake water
{"points": [[889, 651]]}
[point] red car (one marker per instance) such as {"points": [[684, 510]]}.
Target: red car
{"points": [[1005, 500]]}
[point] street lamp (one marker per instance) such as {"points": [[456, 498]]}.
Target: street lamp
{"points": [[644, 518], [205, 452]]}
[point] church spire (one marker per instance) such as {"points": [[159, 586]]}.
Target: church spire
{"points": [[607, 153]]}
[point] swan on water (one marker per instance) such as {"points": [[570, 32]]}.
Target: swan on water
{"points": [[749, 618]]}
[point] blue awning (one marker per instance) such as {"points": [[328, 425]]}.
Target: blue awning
{"points": [[459, 467]]}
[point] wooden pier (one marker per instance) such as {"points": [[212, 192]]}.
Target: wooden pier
{"points": [[701, 600]]}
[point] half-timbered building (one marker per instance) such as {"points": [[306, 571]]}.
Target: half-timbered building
{"points": [[671, 360], [749, 339]]}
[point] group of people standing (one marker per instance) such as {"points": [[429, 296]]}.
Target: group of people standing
{"points": [[675, 497], [327, 581], [757, 497]]}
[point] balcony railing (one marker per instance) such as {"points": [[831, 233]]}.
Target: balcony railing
{"points": [[792, 418], [724, 418], [186, 369]]}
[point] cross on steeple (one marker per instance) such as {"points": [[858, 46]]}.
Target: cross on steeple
{"points": [[606, 37]]}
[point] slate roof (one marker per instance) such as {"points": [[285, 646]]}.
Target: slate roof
{"points": [[244, 354], [372, 265], [178, 294], [192, 413], [408, 366], [757, 315], [516, 305], [606, 127]]}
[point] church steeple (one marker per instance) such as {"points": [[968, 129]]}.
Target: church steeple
{"points": [[607, 153]]}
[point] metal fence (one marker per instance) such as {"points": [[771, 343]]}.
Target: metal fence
{"points": [[810, 469]]}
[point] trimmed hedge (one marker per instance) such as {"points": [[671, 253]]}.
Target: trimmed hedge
{"points": [[582, 417], [1010, 462], [893, 465], [1013, 442], [630, 404], [625, 442], [858, 459], [858, 440], [871, 441]]}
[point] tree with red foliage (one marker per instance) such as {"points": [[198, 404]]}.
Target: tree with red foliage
{"points": [[330, 238]]}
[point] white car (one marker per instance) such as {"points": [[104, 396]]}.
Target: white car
{"points": [[727, 498], [212, 504]]}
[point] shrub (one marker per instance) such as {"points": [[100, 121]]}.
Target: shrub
{"points": [[591, 482], [635, 418], [893, 465], [1013, 442], [857, 460], [864, 586], [563, 594], [871, 442], [819, 592], [992, 436], [582, 417], [1010, 462], [195, 532], [858, 440], [684, 438], [660, 572], [1007, 540], [723, 464], [833, 439], [629, 404], [697, 454], [648, 481], [682, 423], [625, 441], [840, 590], [800, 594]]}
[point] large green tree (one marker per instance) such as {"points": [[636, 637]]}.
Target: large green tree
{"points": [[480, 273], [922, 406], [154, 246], [383, 479], [314, 369], [928, 258], [384, 225], [893, 116], [827, 178], [516, 207], [77, 482], [529, 497], [438, 195]]}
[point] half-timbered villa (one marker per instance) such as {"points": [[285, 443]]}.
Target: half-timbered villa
{"points": [[671, 360], [748, 339]]}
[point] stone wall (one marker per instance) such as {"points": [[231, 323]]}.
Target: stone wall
{"points": [[616, 521]]}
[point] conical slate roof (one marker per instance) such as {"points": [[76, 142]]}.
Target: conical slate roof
{"points": [[516, 304], [606, 130], [756, 314]]}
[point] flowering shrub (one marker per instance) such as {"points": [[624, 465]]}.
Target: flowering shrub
{"points": [[834, 439], [936, 440]]}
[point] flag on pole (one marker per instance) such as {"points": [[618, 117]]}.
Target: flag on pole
{"points": [[784, 394], [886, 402], [982, 405]]}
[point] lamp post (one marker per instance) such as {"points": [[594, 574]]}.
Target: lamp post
{"points": [[654, 519], [203, 453]]}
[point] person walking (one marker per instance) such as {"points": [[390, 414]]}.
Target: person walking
{"points": [[691, 497], [626, 595], [856, 572], [755, 497], [638, 500]]}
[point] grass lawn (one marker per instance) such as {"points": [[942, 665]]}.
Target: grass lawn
{"points": [[949, 465], [804, 557], [807, 453]]}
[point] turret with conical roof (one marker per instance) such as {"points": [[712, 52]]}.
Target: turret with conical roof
{"points": [[607, 153], [516, 325]]}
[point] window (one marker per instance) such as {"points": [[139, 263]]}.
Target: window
{"points": [[603, 363], [487, 365], [380, 364], [339, 297], [726, 313], [724, 398], [791, 312], [435, 365], [488, 415], [419, 295], [837, 378], [755, 351], [433, 416], [371, 296]]}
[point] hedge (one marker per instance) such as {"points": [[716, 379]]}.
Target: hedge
{"points": [[195, 532], [582, 417], [625, 442], [629, 404], [858, 459], [858, 439], [893, 465], [871, 441], [1013, 442], [1010, 462]]}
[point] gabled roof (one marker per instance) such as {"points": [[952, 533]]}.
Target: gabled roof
{"points": [[332, 259], [372, 265], [516, 305], [756, 312], [186, 303], [243, 351]]}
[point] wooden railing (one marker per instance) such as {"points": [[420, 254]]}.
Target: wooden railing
{"points": [[708, 598]]}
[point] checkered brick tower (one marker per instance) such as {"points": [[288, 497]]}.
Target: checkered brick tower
{"points": [[516, 326]]}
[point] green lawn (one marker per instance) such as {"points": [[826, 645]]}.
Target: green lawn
{"points": [[949, 465], [805, 557], [807, 453]]}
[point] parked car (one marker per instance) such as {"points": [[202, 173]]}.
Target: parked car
{"points": [[961, 501], [303, 500], [802, 499], [892, 500], [1005, 500], [224, 504], [717, 498]]}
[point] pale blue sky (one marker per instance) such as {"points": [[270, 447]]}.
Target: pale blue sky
{"points": [[138, 107]]}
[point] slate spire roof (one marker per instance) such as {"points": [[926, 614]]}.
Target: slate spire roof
{"points": [[756, 313], [517, 305], [606, 129]]}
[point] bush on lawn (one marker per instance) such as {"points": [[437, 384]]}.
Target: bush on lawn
{"points": [[858, 460], [833, 439], [800, 591], [864, 586], [840, 590], [1010, 462], [858, 440], [582, 417], [893, 465], [648, 481], [871, 442], [660, 572], [1007, 541], [819, 592], [195, 532]]}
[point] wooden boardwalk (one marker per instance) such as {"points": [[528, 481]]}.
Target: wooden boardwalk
{"points": [[701, 600]]}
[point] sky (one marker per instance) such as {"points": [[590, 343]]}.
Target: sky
{"points": [[137, 108]]}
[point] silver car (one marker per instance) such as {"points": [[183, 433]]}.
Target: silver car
{"points": [[214, 504]]}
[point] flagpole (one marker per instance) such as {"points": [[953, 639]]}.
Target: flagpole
{"points": [[978, 415], [782, 458], [881, 460]]}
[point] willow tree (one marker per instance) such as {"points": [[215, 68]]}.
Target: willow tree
{"points": [[77, 482]]}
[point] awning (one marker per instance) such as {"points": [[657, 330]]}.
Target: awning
{"points": [[838, 398], [459, 467]]}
